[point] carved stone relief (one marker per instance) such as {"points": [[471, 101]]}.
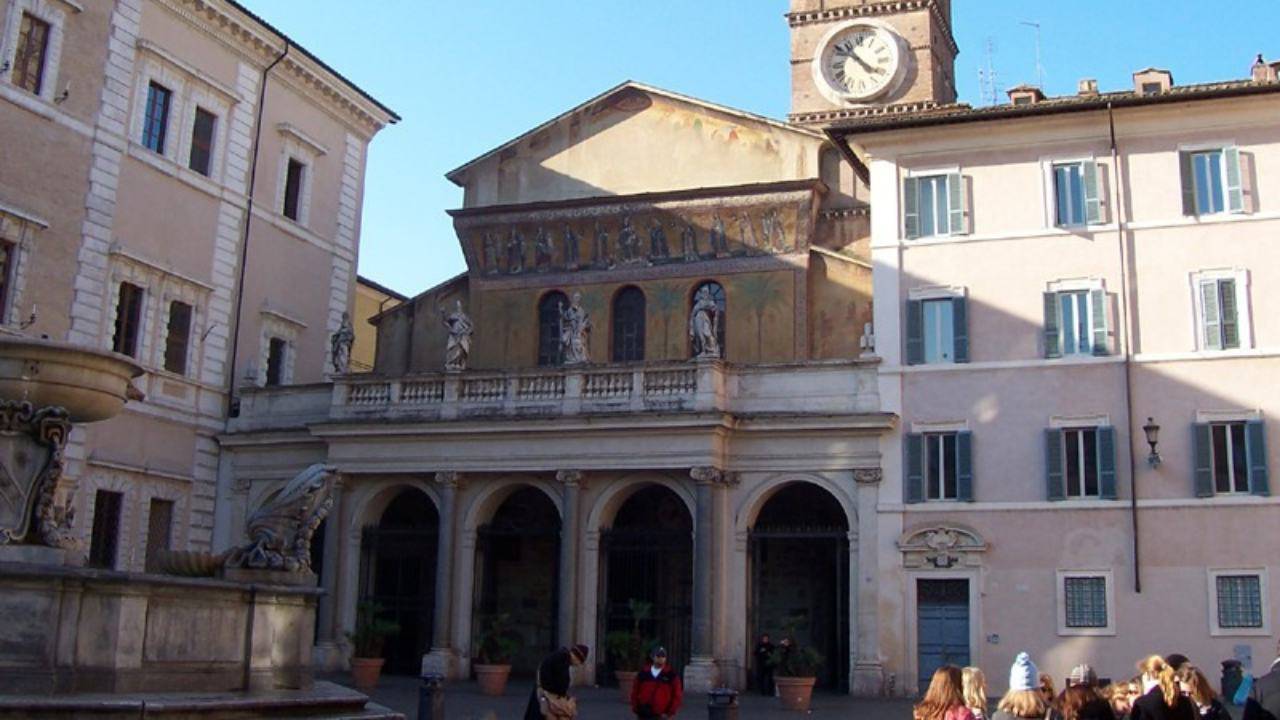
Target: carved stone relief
{"points": [[942, 547]]}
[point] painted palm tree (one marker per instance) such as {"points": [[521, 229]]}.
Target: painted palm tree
{"points": [[757, 293], [666, 300], [509, 306]]}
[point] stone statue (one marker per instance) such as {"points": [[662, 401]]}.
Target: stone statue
{"points": [[515, 252], [601, 255], [280, 531], [340, 345], [704, 326], [628, 241], [719, 242], [575, 331], [490, 253], [543, 249], [570, 248], [32, 442], [458, 347], [658, 241], [689, 243]]}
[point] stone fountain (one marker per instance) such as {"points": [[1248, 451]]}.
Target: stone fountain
{"points": [[232, 632]]}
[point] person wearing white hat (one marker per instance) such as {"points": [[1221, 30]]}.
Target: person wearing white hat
{"points": [[1024, 699]]}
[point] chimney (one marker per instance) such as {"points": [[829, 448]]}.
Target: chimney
{"points": [[1263, 72], [1025, 95], [1152, 81], [1087, 87]]}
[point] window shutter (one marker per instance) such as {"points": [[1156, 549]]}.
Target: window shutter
{"points": [[964, 466], [1188, 184], [1203, 444], [957, 204], [915, 332], [1053, 464], [960, 329], [913, 481], [1098, 311], [1107, 462], [1092, 197], [1212, 318], [1052, 342], [1255, 448], [1228, 316], [1235, 180], [911, 207]]}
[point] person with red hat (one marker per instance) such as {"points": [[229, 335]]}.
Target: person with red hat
{"points": [[658, 691]]}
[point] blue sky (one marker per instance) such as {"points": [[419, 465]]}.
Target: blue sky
{"points": [[467, 75]]}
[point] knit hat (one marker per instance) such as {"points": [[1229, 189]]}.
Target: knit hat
{"points": [[1082, 675], [658, 652], [580, 652], [1023, 675]]}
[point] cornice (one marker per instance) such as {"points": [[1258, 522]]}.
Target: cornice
{"points": [[888, 7]]}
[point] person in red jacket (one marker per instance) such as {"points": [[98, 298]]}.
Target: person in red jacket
{"points": [[658, 691]]}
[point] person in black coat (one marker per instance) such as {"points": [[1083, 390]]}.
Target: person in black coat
{"points": [[1164, 701], [554, 676], [764, 665], [1264, 698]]}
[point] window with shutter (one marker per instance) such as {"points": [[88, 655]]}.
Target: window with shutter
{"points": [[155, 122], [1229, 458], [960, 329], [1082, 459], [32, 51], [295, 173], [1220, 326], [277, 350], [1069, 194], [942, 466], [934, 205], [1213, 181], [939, 330], [913, 459], [128, 320], [1255, 437], [1053, 463], [202, 141], [1076, 322], [177, 337]]}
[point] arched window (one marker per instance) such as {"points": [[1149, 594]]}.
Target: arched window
{"points": [[717, 294], [549, 327], [628, 325]]}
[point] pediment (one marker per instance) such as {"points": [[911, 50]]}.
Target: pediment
{"points": [[942, 547]]}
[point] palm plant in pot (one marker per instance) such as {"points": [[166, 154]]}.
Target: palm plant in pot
{"points": [[495, 647], [795, 669], [367, 639], [626, 648]]}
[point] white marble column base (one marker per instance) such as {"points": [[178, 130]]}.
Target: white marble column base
{"points": [[329, 656], [443, 661], [868, 679], [701, 675]]}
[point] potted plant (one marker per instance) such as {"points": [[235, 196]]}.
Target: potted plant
{"points": [[627, 648], [495, 647], [795, 669], [370, 633]]}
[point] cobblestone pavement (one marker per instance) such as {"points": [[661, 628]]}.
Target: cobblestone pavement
{"points": [[463, 701]]}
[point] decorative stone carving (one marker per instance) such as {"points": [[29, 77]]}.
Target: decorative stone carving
{"points": [[867, 476], [280, 531], [31, 445], [569, 477], [458, 345], [704, 326], [942, 546], [575, 331], [449, 478], [706, 474], [868, 340], [340, 345]]}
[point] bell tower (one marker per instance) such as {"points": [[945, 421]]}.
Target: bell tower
{"points": [[851, 55]]}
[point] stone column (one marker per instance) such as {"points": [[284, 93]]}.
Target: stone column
{"points": [[566, 619], [328, 655], [701, 676], [868, 672], [443, 658]]}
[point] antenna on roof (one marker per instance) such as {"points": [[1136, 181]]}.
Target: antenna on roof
{"points": [[987, 85], [1039, 66]]}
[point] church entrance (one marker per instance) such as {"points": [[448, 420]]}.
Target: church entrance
{"points": [[517, 561], [398, 572], [799, 582], [647, 557]]}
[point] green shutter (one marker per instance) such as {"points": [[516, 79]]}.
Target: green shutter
{"points": [[1188, 184], [960, 329], [1235, 180], [957, 202], [911, 207], [1053, 464], [964, 466], [1098, 313], [1202, 442], [1052, 340], [1255, 444], [1228, 316], [1092, 198], [915, 332], [1212, 317], [913, 480], [1107, 462]]}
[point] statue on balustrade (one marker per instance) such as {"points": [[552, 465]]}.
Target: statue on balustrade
{"points": [[704, 326], [340, 343], [575, 332], [458, 346]]}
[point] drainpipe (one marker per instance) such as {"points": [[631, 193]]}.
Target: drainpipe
{"points": [[1126, 330], [233, 409]]}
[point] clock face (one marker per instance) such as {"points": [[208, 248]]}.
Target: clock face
{"points": [[858, 62]]}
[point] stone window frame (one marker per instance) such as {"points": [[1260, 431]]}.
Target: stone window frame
{"points": [[160, 286], [190, 88], [1108, 576], [47, 11], [276, 324], [1215, 630], [1244, 317], [20, 229], [298, 146]]}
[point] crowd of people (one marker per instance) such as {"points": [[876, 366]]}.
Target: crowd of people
{"points": [[1165, 688]]}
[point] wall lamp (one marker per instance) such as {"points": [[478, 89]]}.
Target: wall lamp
{"points": [[1153, 436]]}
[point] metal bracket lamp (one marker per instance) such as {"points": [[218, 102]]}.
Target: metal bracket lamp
{"points": [[1152, 431]]}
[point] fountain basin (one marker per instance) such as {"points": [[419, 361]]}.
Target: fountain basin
{"points": [[92, 385]]}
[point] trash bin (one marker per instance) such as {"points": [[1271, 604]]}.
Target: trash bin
{"points": [[722, 704], [431, 698], [1232, 676]]}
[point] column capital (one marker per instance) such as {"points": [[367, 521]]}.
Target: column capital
{"points": [[868, 476], [571, 478], [449, 478], [711, 475], [241, 485]]}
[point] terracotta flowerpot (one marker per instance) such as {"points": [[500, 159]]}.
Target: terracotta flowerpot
{"points": [[626, 681], [492, 678], [365, 672], [795, 692]]}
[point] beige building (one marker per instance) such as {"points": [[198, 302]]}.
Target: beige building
{"points": [[170, 167], [372, 299]]}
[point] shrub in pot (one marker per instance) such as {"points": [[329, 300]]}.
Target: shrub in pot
{"points": [[495, 646], [367, 639], [795, 670]]}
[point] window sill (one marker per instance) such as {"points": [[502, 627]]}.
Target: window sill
{"points": [[1239, 632], [1087, 632], [297, 230], [44, 107], [164, 164], [1073, 361]]}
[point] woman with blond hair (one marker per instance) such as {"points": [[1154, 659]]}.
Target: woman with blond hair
{"points": [[944, 700], [1025, 699], [1163, 700], [1197, 687], [974, 689]]}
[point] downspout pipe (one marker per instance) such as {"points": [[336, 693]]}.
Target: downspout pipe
{"points": [[233, 409], [1126, 329]]}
